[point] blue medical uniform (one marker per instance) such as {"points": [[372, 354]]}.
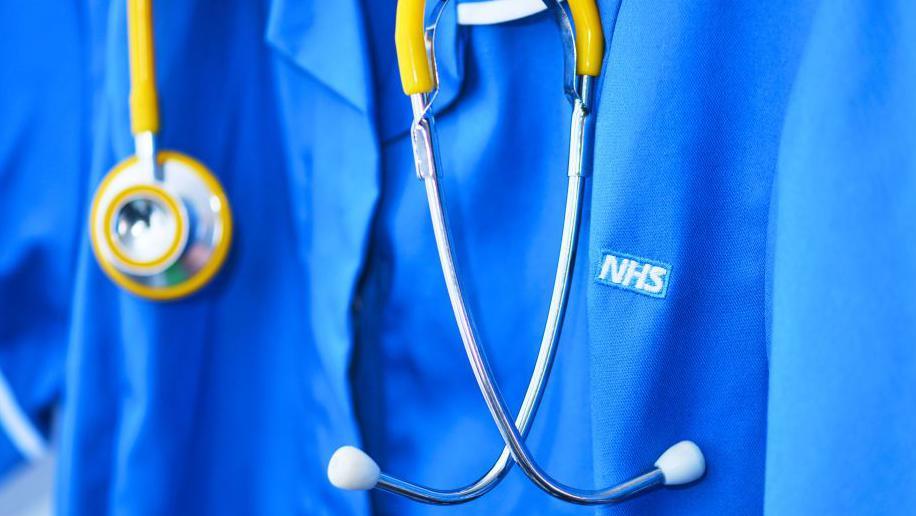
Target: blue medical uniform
{"points": [[42, 151], [842, 409], [330, 323], [686, 143]]}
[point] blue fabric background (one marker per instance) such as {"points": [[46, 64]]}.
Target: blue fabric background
{"points": [[842, 412], [43, 150]]}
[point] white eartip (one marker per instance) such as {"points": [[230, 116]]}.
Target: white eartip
{"points": [[351, 469], [682, 463]]}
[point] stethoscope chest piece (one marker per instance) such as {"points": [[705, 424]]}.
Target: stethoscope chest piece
{"points": [[160, 234]]}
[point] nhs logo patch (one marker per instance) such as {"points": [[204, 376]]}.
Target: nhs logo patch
{"points": [[636, 274]]}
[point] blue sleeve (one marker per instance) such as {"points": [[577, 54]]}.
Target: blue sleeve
{"points": [[41, 161], [842, 406]]}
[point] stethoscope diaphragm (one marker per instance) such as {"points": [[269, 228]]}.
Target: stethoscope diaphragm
{"points": [[160, 237]]}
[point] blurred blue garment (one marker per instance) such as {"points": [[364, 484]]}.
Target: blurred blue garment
{"points": [[42, 156], [842, 413]]}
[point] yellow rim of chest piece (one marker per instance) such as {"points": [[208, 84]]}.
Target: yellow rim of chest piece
{"points": [[165, 199], [214, 262]]}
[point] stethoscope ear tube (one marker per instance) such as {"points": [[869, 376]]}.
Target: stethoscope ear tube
{"points": [[589, 37], [410, 43], [144, 99]]}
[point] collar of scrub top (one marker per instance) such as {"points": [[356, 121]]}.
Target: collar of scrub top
{"points": [[160, 222], [492, 12], [351, 468]]}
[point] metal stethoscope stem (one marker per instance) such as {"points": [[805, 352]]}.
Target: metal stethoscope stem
{"points": [[146, 148]]}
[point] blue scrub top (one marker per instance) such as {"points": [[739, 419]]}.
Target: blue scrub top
{"points": [[330, 323], [842, 408], [43, 148]]}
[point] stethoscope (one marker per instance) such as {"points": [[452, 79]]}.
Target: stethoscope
{"points": [[160, 223], [349, 467]]}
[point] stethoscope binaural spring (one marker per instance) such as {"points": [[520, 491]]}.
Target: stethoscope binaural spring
{"points": [[350, 468]]}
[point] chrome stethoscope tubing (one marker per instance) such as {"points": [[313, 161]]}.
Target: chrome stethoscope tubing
{"points": [[423, 138], [552, 330], [350, 468], [422, 134]]}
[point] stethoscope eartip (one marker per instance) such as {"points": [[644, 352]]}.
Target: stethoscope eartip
{"points": [[351, 469], [682, 463]]}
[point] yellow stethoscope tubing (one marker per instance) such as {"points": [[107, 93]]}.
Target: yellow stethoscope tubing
{"points": [[410, 43], [144, 99], [413, 60], [201, 277], [589, 37]]}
